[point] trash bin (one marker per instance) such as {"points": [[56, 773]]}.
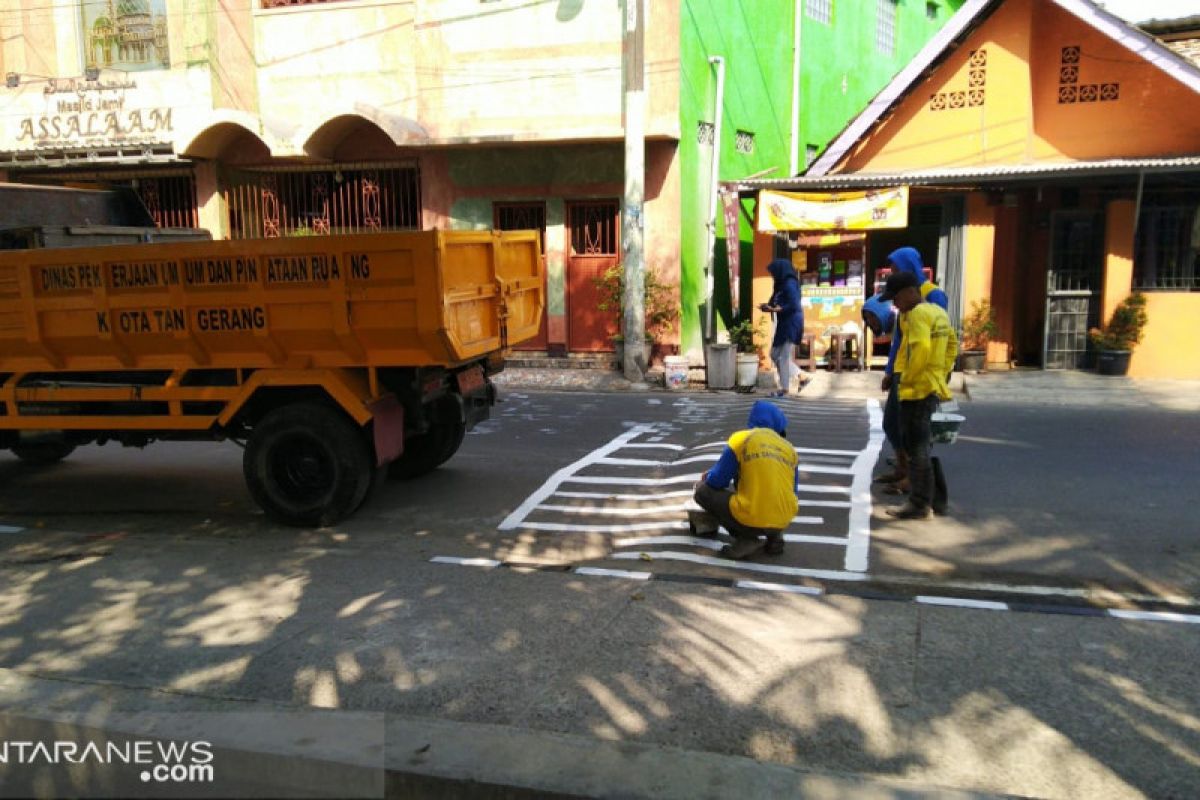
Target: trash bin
{"points": [[721, 363]]}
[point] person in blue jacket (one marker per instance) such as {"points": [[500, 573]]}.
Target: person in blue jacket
{"points": [[763, 468], [905, 259], [789, 321]]}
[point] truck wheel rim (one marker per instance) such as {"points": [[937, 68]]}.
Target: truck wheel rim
{"points": [[302, 468]]}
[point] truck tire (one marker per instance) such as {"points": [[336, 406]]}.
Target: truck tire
{"points": [[308, 465], [40, 454], [425, 453]]}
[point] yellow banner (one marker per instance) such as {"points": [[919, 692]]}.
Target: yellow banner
{"points": [[833, 211]]}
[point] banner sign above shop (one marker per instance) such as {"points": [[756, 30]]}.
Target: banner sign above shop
{"points": [[833, 211]]}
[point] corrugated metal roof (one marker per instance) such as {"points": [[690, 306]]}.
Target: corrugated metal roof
{"points": [[961, 176]]}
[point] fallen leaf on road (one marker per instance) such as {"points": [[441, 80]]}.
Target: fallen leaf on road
{"points": [[645, 557]]}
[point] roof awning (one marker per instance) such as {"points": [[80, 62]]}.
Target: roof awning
{"points": [[975, 175]]}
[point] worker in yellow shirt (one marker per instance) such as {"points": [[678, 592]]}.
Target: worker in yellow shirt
{"points": [[927, 352], [762, 467]]}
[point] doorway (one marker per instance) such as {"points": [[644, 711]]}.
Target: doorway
{"points": [[1072, 287], [593, 245]]}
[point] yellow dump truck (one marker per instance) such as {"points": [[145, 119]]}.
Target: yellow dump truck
{"points": [[331, 359]]}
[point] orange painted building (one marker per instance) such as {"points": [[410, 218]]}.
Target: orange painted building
{"points": [[1053, 155]]}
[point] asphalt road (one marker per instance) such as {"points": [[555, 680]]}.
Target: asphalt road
{"points": [[144, 580]]}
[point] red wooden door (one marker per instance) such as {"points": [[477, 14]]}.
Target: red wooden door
{"points": [[525, 217], [593, 233]]}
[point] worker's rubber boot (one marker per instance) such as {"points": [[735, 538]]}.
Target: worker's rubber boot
{"points": [[774, 546], [742, 548]]}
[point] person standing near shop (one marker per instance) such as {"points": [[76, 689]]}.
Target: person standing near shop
{"points": [[923, 366], [907, 260], [789, 322]]}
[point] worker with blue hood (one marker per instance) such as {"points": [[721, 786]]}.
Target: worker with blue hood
{"points": [[905, 259], [762, 466], [789, 321], [879, 316]]}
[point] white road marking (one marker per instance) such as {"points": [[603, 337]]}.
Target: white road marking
{"points": [[961, 602], [610, 496], [545, 490], [790, 588], [1154, 616], [646, 462], [642, 541], [858, 550], [649, 446], [619, 481], [827, 503], [613, 573], [10, 529], [466, 562], [826, 469], [671, 555], [566, 527], [615, 511], [803, 539], [817, 488]]}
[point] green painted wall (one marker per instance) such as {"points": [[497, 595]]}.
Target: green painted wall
{"points": [[755, 39], [842, 69]]}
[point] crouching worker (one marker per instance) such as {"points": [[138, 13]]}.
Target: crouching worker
{"points": [[761, 465]]}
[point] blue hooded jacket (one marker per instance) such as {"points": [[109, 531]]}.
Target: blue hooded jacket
{"points": [[907, 259], [789, 322], [882, 310], [762, 415]]}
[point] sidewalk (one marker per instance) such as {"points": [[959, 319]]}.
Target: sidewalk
{"points": [[1052, 387]]}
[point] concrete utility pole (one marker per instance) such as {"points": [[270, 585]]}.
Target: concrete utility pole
{"points": [[632, 219]]}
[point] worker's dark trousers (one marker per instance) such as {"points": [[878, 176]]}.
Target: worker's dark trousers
{"points": [[716, 503], [915, 432]]}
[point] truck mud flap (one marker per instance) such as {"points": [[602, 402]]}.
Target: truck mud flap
{"points": [[387, 415]]}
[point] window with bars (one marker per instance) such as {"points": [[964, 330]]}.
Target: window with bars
{"points": [[819, 10], [744, 142], [168, 194], [520, 217], [885, 26], [595, 228], [1168, 249], [811, 151], [705, 132], [306, 201]]}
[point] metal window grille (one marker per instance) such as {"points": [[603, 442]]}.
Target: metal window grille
{"points": [[885, 26], [286, 3], [744, 142], [299, 201], [521, 217], [819, 10], [169, 194], [810, 154], [594, 228], [1168, 249], [705, 132]]}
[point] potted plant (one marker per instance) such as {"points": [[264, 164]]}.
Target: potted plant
{"points": [[978, 328], [660, 304], [744, 337], [1116, 341]]}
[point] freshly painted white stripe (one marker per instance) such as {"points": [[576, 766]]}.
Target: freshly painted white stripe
{"points": [[546, 489], [672, 555], [617, 511], [827, 503], [619, 481], [961, 602], [801, 538], [815, 451], [825, 468], [566, 527], [466, 562], [613, 573], [647, 445], [642, 541], [646, 462], [858, 551], [10, 529], [818, 488], [807, 520], [611, 496], [790, 588], [1154, 616]]}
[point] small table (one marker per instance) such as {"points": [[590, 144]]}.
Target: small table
{"points": [[839, 342], [807, 345]]}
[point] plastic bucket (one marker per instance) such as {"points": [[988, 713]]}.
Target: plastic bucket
{"points": [[747, 370], [944, 427], [676, 368]]}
